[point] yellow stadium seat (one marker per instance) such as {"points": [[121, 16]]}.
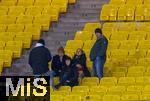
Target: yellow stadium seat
{"points": [[83, 35], [145, 97], [70, 52], [137, 53], [90, 27], [72, 98], [120, 35], [109, 26], [108, 81], [122, 53], [25, 3], [55, 98], [98, 90], [72, 1], [7, 19], [134, 90], [128, 44], [116, 90], [80, 89], [43, 20], [137, 35], [109, 12], [146, 89], [42, 3], [15, 28], [2, 45], [146, 2], [120, 69], [126, 81], [142, 81], [111, 98], [144, 44], [34, 29], [34, 10], [8, 2], [117, 2], [6, 36], [129, 97], [3, 10], [16, 10], [88, 44], [3, 27], [52, 11], [89, 84], [147, 73], [24, 19], [15, 47], [136, 71], [25, 38], [90, 79], [62, 93], [65, 88], [92, 98], [127, 26], [118, 74], [134, 2], [113, 44], [6, 57], [74, 44], [89, 64], [145, 26], [79, 93], [1, 66], [126, 13]]}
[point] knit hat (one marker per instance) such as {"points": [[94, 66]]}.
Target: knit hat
{"points": [[98, 30], [41, 41]]}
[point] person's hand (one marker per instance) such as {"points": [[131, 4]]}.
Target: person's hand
{"points": [[67, 81]]}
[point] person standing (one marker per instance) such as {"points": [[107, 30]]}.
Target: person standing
{"points": [[98, 53]]}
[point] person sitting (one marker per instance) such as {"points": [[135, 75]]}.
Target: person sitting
{"points": [[79, 60], [58, 63], [71, 76]]}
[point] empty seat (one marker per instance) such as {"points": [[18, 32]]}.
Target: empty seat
{"points": [[92, 98], [126, 81], [108, 81], [2, 45], [56, 98], [128, 44], [137, 53], [134, 89], [88, 44], [142, 81], [25, 3], [111, 98], [90, 79], [146, 89], [145, 26], [65, 88], [7, 19], [83, 35], [113, 44], [122, 53], [98, 90], [3, 27], [6, 36], [145, 97], [90, 27], [120, 35], [34, 10], [117, 2], [15, 28], [127, 26], [137, 35], [136, 71], [3, 10], [116, 90], [144, 62], [16, 10], [129, 97], [42, 3], [134, 2], [144, 44], [72, 98], [24, 19], [80, 89], [109, 26], [74, 44]]}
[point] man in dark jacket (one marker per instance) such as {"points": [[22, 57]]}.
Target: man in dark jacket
{"points": [[98, 53], [39, 58]]}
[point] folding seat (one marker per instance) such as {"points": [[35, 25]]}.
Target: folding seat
{"points": [[143, 26], [2, 45], [116, 90], [90, 79], [56, 98], [109, 26], [62, 93], [25, 38], [141, 13], [78, 93], [1, 66], [126, 81], [119, 35], [137, 54], [147, 73], [7, 19], [89, 84], [89, 64], [117, 2], [24, 19], [108, 81], [135, 71], [65, 88], [122, 53], [43, 20], [15, 47], [72, 1], [137, 35], [144, 44], [83, 35], [121, 69], [98, 90], [34, 29], [72, 98], [127, 26], [148, 54], [6, 37], [92, 98], [111, 98], [74, 44], [70, 52], [88, 44], [3, 27], [42, 3], [16, 10], [90, 27], [145, 97], [15, 28], [25, 3], [80, 89], [109, 13], [113, 44], [3, 10], [6, 56], [134, 2], [146, 89], [129, 97], [128, 44], [142, 81], [135, 90], [130, 61], [126, 12], [63, 5], [52, 11], [34, 10], [8, 2], [146, 2]]}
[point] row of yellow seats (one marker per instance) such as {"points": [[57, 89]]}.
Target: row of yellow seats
{"points": [[126, 26], [129, 2], [33, 30]]}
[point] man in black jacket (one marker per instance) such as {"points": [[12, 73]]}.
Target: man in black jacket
{"points": [[39, 58], [98, 53]]}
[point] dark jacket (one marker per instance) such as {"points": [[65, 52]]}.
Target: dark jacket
{"points": [[39, 59], [58, 65], [82, 61], [99, 48]]}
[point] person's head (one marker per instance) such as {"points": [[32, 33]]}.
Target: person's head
{"points": [[61, 51], [41, 41], [79, 52], [98, 32]]}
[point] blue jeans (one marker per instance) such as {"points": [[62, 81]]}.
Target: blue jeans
{"points": [[98, 66]]}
